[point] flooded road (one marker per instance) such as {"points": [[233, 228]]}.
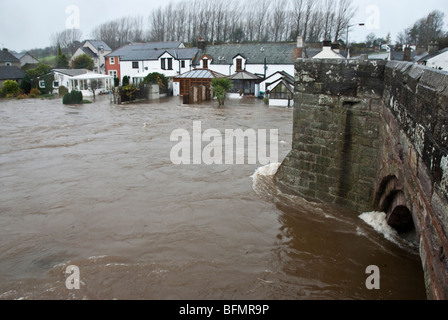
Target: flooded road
{"points": [[93, 186]]}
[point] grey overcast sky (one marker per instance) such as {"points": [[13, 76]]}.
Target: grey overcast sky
{"points": [[28, 24]]}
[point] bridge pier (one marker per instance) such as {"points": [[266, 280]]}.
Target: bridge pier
{"points": [[371, 135]]}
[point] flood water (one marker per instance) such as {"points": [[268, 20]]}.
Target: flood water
{"points": [[93, 186]]}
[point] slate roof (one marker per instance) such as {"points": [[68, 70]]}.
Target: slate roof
{"points": [[432, 55], [72, 72], [152, 51], [201, 74], [399, 55], [11, 73], [285, 75], [6, 56], [98, 43], [244, 75], [18, 55], [89, 52], [275, 53]]}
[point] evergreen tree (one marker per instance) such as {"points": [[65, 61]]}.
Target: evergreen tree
{"points": [[62, 61]]}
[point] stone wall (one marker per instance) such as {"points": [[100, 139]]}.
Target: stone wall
{"points": [[371, 135], [414, 150], [335, 132]]}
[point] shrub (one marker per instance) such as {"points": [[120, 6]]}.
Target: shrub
{"points": [[220, 88], [1, 93], [157, 78], [34, 92], [25, 84], [74, 97], [83, 62], [125, 81], [62, 90], [22, 96], [10, 87]]}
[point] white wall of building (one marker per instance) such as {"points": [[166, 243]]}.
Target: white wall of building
{"points": [[440, 61], [281, 103], [150, 66]]}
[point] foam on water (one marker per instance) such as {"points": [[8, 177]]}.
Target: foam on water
{"points": [[377, 220]]}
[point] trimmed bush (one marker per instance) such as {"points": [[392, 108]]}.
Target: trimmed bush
{"points": [[10, 87], [74, 97]]}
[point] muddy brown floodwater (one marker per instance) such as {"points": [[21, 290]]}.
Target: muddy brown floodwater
{"points": [[93, 186]]}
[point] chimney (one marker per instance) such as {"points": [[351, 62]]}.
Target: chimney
{"points": [[299, 42], [335, 46], [300, 47], [407, 54], [201, 43], [327, 44], [433, 47]]}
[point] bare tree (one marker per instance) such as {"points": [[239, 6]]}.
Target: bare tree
{"points": [[345, 12], [309, 8], [328, 16], [68, 39], [297, 13], [278, 18]]}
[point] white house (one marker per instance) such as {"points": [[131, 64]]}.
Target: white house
{"points": [[62, 77], [260, 59], [138, 60], [25, 58], [437, 60], [95, 49], [274, 77], [279, 89], [83, 83], [81, 80]]}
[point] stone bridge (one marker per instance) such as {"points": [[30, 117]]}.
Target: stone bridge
{"points": [[373, 135]]}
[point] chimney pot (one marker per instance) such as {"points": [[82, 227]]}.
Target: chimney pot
{"points": [[299, 42]]}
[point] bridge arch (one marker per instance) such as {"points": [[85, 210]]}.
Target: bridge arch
{"points": [[391, 199]]}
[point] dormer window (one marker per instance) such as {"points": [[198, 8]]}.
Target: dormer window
{"points": [[8, 64], [205, 63], [239, 65]]}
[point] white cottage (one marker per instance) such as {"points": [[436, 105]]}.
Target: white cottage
{"points": [[279, 89], [84, 82], [138, 60], [263, 59], [62, 77], [97, 50]]}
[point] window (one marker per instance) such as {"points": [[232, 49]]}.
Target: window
{"points": [[170, 64], [162, 64], [8, 64], [280, 92], [56, 84], [205, 63], [113, 73], [135, 65], [239, 65], [112, 60], [182, 63], [41, 83]]}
